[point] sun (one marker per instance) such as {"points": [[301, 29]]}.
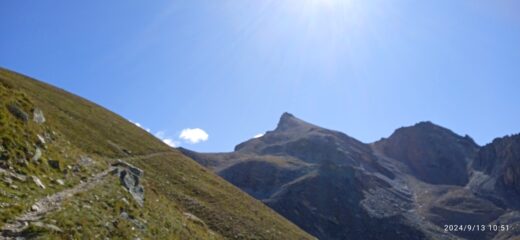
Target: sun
{"points": [[326, 6], [326, 3]]}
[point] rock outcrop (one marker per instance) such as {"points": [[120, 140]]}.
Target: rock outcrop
{"points": [[498, 169], [130, 177]]}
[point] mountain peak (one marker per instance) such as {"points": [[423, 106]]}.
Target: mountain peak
{"points": [[434, 154], [289, 121], [424, 127], [425, 124], [427, 127], [287, 115]]}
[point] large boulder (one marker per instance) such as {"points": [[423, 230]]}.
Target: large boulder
{"points": [[130, 177]]}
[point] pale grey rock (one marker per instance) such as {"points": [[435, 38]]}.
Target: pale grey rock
{"points": [[38, 182], [50, 227], [40, 141], [4, 205], [8, 180], [60, 182], [35, 208], [38, 116], [37, 155], [17, 176], [194, 218], [85, 161]]}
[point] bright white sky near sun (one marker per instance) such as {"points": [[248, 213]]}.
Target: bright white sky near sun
{"points": [[210, 74]]}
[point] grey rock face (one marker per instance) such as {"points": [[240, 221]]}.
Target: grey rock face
{"points": [[18, 112], [38, 116], [130, 177], [499, 161]]}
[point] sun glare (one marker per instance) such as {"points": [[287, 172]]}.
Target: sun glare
{"points": [[339, 9], [327, 3]]}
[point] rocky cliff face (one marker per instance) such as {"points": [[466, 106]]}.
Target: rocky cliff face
{"points": [[404, 187], [501, 158], [497, 168]]}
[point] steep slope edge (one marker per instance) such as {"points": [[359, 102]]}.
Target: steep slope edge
{"points": [[53, 142]]}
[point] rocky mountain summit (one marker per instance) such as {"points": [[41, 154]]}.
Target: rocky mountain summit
{"points": [[407, 186], [432, 153]]}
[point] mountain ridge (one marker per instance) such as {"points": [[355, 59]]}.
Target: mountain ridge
{"points": [[408, 184]]}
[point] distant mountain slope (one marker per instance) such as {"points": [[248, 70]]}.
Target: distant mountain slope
{"points": [[107, 178], [434, 154], [407, 186]]}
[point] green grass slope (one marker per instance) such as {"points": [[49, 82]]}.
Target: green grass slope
{"points": [[80, 139]]}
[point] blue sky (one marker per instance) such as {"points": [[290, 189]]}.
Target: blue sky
{"points": [[231, 68]]}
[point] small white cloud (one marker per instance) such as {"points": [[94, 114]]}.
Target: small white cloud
{"points": [[160, 134], [170, 142], [136, 123], [193, 135], [258, 135], [139, 125]]}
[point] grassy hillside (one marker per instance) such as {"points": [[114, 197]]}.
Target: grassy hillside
{"points": [[79, 139]]}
